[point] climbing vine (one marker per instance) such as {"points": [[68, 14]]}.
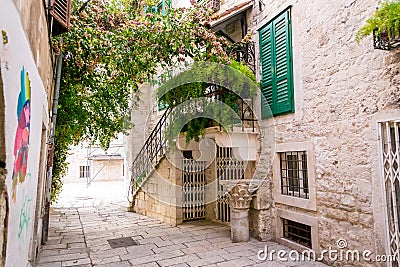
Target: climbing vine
{"points": [[110, 50], [206, 94]]}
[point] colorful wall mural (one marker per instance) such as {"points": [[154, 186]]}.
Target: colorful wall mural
{"points": [[26, 113], [21, 144]]}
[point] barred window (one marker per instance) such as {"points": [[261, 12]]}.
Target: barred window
{"points": [[84, 171], [297, 232], [294, 177]]}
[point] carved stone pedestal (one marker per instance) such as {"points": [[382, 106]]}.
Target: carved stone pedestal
{"points": [[240, 198]]}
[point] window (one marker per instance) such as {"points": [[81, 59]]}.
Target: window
{"points": [[389, 138], [161, 79], [161, 8], [84, 171], [215, 5], [60, 11], [294, 175], [276, 66], [297, 232]]}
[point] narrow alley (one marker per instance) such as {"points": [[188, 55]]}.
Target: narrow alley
{"points": [[89, 227]]}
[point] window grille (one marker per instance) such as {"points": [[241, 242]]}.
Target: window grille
{"points": [[389, 136], [193, 190], [228, 168], [297, 232], [294, 177]]}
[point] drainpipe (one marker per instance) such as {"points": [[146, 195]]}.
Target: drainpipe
{"points": [[46, 216]]}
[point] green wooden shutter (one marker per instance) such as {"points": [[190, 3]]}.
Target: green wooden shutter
{"points": [[276, 61], [267, 69]]}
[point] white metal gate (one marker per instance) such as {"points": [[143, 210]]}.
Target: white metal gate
{"points": [[390, 160], [193, 189], [228, 168]]}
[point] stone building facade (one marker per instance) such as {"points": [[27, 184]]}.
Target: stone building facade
{"points": [[342, 91], [90, 163], [328, 156]]}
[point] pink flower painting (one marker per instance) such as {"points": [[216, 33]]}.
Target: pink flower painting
{"points": [[21, 144]]}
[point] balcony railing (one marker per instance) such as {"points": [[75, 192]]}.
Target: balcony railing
{"points": [[244, 53], [211, 4], [387, 40]]}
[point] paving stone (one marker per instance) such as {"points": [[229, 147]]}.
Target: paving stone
{"points": [[49, 264], [138, 251], [109, 253], [65, 257], [197, 243], [106, 260], [236, 262], [169, 248], [157, 257], [76, 262], [178, 260], [163, 243], [206, 261], [76, 245], [212, 253], [149, 264], [193, 250], [80, 228], [269, 264], [115, 264]]}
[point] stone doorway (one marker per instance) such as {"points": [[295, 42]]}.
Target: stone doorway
{"points": [[193, 189]]}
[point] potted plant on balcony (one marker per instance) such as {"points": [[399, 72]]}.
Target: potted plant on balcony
{"points": [[384, 25]]}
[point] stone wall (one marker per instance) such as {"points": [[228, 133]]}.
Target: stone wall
{"points": [[137, 136], [108, 170], [340, 88], [33, 18], [161, 195]]}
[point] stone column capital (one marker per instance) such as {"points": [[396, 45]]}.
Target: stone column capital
{"points": [[240, 196]]}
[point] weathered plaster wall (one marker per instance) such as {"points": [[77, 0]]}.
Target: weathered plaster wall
{"points": [[33, 19], [340, 86], [25, 112]]}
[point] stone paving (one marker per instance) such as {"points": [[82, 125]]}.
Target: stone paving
{"points": [[81, 226]]}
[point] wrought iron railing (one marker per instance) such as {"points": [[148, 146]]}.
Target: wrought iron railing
{"points": [[151, 153], [245, 53], [243, 105], [387, 40], [211, 4], [155, 146]]}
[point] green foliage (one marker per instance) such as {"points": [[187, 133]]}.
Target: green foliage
{"points": [[385, 18], [193, 112], [109, 51]]}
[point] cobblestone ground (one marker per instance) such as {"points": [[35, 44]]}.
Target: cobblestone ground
{"points": [[85, 219]]}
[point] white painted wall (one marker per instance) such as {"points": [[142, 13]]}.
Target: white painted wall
{"points": [[15, 56]]}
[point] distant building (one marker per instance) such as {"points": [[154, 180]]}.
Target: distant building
{"points": [[90, 163]]}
